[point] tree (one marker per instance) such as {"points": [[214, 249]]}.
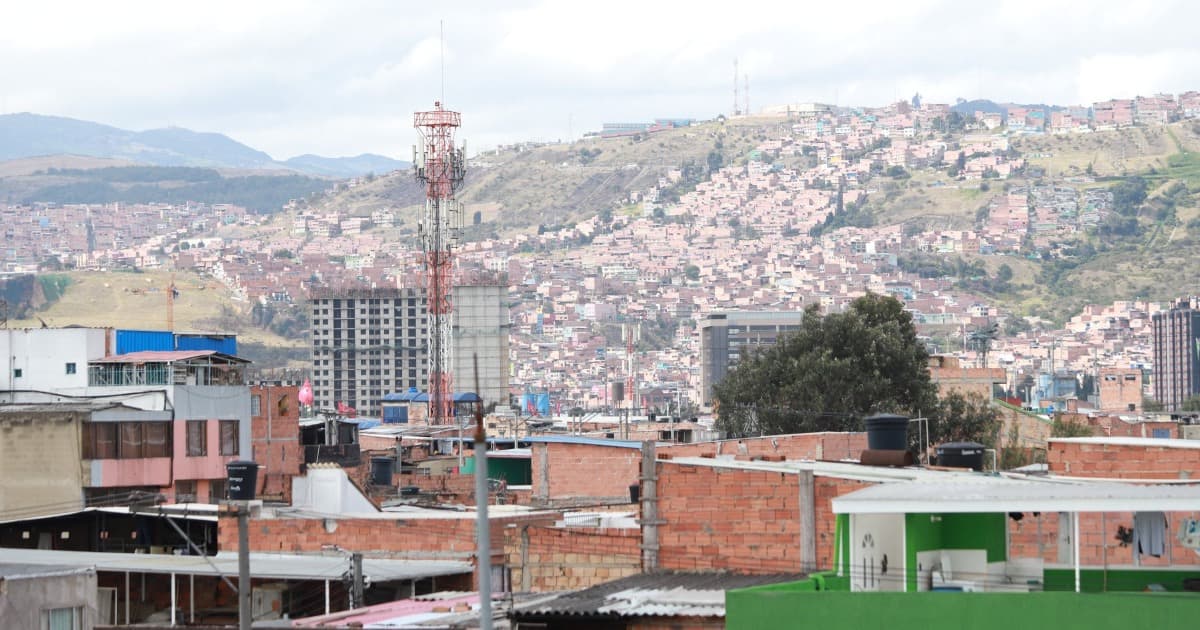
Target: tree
{"points": [[1069, 428], [691, 272], [830, 373], [1191, 404], [1151, 405], [1004, 273], [964, 418]]}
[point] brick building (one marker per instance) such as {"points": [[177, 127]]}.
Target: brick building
{"points": [[275, 438], [1120, 389]]}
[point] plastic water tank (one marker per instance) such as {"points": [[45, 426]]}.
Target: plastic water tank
{"points": [[242, 480], [887, 432], [961, 455]]}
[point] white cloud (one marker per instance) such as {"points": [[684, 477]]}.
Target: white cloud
{"points": [[298, 76]]}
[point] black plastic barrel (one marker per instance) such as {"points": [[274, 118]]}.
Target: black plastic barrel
{"points": [[635, 493], [242, 480], [887, 432], [381, 471], [961, 455]]}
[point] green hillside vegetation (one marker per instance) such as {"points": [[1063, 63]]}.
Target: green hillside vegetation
{"points": [[158, 184], [138, 301]]}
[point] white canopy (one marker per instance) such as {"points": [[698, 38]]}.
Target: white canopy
{"points": [[996, 494]]}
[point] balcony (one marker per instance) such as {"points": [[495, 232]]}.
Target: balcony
{"points": [[344, 455]]}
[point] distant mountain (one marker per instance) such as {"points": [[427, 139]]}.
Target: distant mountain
{"points": [[28, 135], [346, 166]]}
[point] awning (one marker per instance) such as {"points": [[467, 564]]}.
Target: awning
{"points": [[1008, 495]]}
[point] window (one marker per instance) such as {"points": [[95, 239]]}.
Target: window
{"points": [[156, 439], [229, 437], [216, 490], [256, 405], [131, 440], [197, 438], [63, 618], [100, 440], [70, 368], [16, 372]]}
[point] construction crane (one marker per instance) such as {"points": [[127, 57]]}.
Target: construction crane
{"points": [[440, 166]]}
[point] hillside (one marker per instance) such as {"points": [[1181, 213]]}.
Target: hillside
{"points": [[27, 135], [138, 301], [518, 189], [92, 180]]}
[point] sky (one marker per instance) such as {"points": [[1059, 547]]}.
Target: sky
{"points": [[344, 77]]}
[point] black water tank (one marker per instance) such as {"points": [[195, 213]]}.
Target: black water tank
{"points": [[961, 455], [242, 480], [381, 471], [887, 432]]}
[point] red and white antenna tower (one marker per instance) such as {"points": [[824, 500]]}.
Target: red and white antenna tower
{"points": [[441, 167]]}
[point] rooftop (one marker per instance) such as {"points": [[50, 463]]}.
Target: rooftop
{"points": [[986, 493], [262, 565], [1131, 441], [666, 594]]}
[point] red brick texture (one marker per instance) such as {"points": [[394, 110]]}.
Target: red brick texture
{"points": [[555, 559], [583, 474], [1119, 461], [733, 519], [810, 446], [415, 538], [275, 439]]}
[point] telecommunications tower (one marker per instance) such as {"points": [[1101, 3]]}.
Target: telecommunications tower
{"points": [[440, 166]]}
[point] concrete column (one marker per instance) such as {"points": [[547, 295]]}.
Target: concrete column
{"points": [[808, 522], [649, 515]]}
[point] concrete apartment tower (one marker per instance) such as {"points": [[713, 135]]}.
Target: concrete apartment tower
{"points": [[367, 343], [727, 337], [1177, 354]]}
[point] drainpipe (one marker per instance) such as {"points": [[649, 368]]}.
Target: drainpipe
{"points": [[650, 521]]}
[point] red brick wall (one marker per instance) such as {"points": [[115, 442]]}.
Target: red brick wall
{"points": [[743, 520], [721, 518], [1079, 459], [811, 446], [275, 437], [583, 474], [413, 538], [554, 558], [1098, 533]]}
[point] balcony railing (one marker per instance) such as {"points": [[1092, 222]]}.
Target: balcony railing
{"points": [[344, 455]]}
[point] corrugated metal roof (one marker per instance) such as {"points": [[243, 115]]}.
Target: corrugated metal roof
{"points": [[666, 594], [154, 356], [576, 439], [998, 494], [23, 571], [395, 614], [262, 565]]}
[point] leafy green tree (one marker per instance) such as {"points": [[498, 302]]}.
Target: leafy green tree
{"points": [[1151, 405], [964, 418], [1004, 273], [691, 272], [1069, 428], [831, 372], [1191, 404]]}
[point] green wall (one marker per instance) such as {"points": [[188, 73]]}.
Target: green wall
{"points": [[517, 472], [1093, 580], [953, 531], [755, 609]]}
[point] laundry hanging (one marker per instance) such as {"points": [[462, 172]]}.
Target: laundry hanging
{"points": [[1149, 533]]}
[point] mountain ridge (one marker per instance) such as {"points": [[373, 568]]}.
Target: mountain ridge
{"points": [[28, 135]]}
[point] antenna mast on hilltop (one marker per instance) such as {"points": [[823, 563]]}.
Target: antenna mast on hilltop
{"points": [[736, 111], [441, 167]]}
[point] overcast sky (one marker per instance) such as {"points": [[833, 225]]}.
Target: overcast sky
{"points": [[344, 77]]}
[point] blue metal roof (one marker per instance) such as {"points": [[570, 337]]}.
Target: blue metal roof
{"points": [[578, 439], [414, 396]]}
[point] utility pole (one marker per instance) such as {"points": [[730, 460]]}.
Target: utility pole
{"points": [[356, 592], [483, 560], [244, 613]]}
